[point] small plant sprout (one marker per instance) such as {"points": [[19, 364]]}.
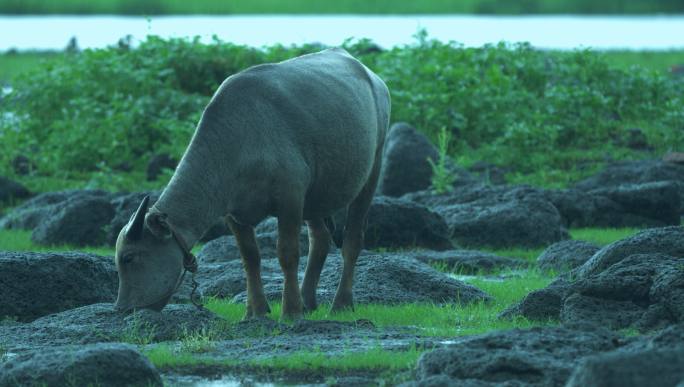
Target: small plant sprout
{"points": [[198, 341], [442, 177]]}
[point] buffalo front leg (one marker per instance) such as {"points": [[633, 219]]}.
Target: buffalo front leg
{"points": [[257, 306], [319, 246], [288, 256]]}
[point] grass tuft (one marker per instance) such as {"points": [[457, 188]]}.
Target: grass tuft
{"points": [[20, 240], [602, 236]]}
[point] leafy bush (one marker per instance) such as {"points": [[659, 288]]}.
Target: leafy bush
{"points": [[533, 110]]}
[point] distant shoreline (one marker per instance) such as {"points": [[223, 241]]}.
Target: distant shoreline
{"points": [[544, 32], [377, 7]]}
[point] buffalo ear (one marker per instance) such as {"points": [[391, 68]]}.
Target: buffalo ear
{"points": [[157, 224], [135, 227]]}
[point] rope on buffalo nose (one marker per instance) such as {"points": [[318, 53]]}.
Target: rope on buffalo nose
{"points": [[189, 265]]}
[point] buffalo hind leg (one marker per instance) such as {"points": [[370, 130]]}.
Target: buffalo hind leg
{"points": [[353, 240], [319, 246], [289, 227], [257, 306]]}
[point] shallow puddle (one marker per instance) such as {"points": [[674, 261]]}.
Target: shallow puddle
{"points": [[223, 381], [489, 278]]}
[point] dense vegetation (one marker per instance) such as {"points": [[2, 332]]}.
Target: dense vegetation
{"points": [[544, 114], [159, 7]]}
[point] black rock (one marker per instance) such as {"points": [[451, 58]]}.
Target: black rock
{"points": [[38, 284], [633, 172], [637, 282], [405, 162], [657, 202], [565, 255], [22, 165], [78, 222], [651, 367], [530, 357], [399, 223], [225, 280], [125, 206], [633, 138], [158, 163], [386, 279], [218, 229], [99, 323], [497, 217], [11, 190], [115, 365], [540, 305], [636, 172], [31, 213], [631, 205], [225, 248], [467, 261], [665, 240], [643, 291], [489, 173]]}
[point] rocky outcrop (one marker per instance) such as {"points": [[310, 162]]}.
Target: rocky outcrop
{"points": [[497, 217], [38, 284], [390, 278], [77, 222], [11, 190], [399, 223], [405, 165], [565, 255], [107, 365], [529, 357], [637, 282], [158, 163], [628, 205], [467, 261], [124, 207], [32, 212], [98, 323]]}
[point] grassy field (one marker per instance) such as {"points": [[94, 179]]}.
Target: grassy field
{"points": [[427, 320], [155, 7], [14, 64]]}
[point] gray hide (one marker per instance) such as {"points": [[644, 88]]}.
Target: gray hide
{"points": [[296, 140]]}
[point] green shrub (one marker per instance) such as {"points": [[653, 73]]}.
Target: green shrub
{"points": [[442, 177], [536, 111]]}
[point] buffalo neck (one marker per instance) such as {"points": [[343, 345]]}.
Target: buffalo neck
{"points": [[196, 197]]}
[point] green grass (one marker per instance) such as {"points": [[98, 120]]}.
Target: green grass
{"points": [[107, 180], [426, 319], [20, 240], [655, 60], [340, 6], [13, 64], [603, 236], [164, 356], [525, 254]]}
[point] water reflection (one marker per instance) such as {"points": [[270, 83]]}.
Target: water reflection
{"points": [[558, 32], [225, 381]]}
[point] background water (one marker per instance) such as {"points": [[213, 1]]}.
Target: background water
{"points": [[557, 32]]}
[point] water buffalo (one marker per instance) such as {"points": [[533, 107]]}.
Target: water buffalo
{"points": [[297, 140]]}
